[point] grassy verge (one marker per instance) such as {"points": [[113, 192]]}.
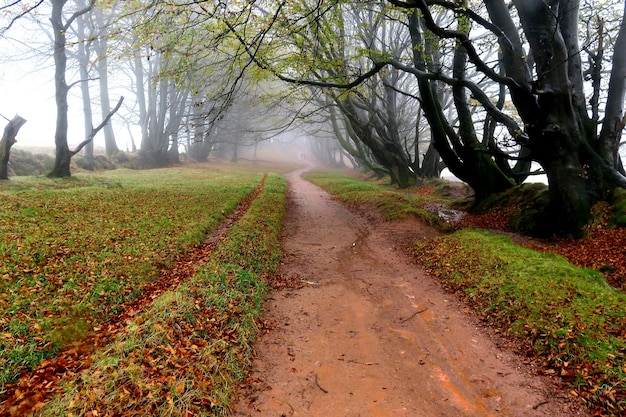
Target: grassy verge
{"points": [[569, 318], [392, 203], [74, 250], [185, 355]]}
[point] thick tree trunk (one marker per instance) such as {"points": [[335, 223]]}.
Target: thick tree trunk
{"points": [[614, 120], [457, 150], [578, 175], [569, 205], [8, 140], [63, 155], [431, 164]]}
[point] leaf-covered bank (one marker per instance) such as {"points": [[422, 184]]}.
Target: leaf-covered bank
{"points": [[569, 319]]}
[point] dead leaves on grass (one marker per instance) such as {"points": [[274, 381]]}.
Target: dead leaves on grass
{"points": [[183, 340]]}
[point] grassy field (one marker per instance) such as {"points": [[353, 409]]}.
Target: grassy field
{"points": [[75, 251], [569, 320], [186, 354]]}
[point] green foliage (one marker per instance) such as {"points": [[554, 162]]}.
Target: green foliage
{"points": [[570, 317], [77, 248]]}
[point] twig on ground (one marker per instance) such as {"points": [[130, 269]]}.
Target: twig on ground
{"points": [[413, 315], [317, 382]]}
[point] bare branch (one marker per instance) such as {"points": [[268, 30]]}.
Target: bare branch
{"points": [[24, 13], [478, 94], [78, 13], [98, 128]]}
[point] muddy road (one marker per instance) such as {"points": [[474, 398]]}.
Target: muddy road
{"points": [[370, 334]]}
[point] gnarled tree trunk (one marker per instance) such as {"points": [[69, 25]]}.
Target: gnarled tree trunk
{"points": [[8, 140]]}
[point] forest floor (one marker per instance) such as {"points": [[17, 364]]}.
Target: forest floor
{"points": [[356, 328]]}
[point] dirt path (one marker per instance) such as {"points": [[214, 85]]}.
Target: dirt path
{"points": [[372, 335]]}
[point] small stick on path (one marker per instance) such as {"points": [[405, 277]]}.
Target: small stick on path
{"points": [[413, 315], [317, 382]]}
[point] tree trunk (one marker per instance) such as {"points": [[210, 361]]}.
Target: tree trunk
{"points": [[141, 99], [63, 155], [614, 120], [235, 145], [578, 175], [457, 150], [110, 144], [569, 204], [83, 63], [62, 158], [431, 164], [8, 140], [100, 43]]}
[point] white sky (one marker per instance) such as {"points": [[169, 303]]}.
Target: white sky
{"points": [[27, 89]]}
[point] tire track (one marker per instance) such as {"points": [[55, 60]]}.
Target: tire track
{"points": [[30, 392]]}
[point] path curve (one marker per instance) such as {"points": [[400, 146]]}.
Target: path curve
{"points": [[370, 334]]}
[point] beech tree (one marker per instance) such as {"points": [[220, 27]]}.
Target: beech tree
{"points": [[543, 75], [60, 26]]}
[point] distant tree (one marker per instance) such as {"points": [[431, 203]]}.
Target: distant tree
{"points": [[102, 23]]}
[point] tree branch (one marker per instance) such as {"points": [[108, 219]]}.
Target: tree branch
{"points": [[463, 38], [265, 66], [81, 81], [98, 128], [80, 12], [25, 12], [478, 94]]}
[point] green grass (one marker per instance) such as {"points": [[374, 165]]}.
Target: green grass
{"points": [[73, 250], [392, 203], [186, 354], [572, 321]]}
